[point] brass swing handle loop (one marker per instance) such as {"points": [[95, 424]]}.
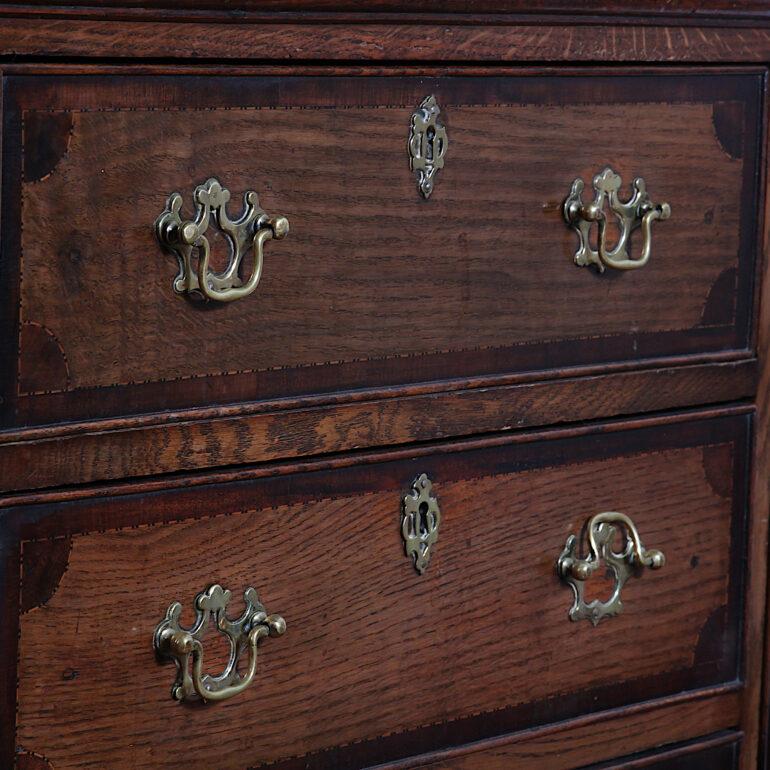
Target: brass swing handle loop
{"points": [[187, 239], [185, 646], [637, 212], [601, 535]]}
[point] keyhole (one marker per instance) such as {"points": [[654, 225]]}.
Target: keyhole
{"points": [[423, 511], [431, 134]]}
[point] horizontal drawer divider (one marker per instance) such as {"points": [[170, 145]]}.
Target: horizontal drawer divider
{"points": [[594, 737], [96, 451]]}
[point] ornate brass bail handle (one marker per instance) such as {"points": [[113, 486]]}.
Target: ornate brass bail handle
{"points": [[576, 571], [637, 211], [187, 240], [185, 646]]}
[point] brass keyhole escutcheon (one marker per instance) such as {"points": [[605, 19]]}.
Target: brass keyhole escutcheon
{"points": [[424, 527], [427, 145], [420, 521]]}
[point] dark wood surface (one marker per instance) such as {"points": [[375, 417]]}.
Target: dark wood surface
{"points": [[487, 260], [71, 453], [719, 752], [369, 456], [427, 38], [687, 9], [757, 575], [362, 623], [97, 484], [574, 747]]}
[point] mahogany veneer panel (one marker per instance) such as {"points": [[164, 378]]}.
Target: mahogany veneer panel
{"points": [[34, 458], [478, 646], [102, 33], [591, 739], [686, 8], [374, 286], [718, 753], [572, 748]]}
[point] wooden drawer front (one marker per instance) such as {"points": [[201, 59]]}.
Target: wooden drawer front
{"points": [[586, 743], [717, 753], [378, 660], [374, 285]]}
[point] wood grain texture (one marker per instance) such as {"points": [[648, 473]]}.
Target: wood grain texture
{"points": [[576, 745], [506, 512], [426, 40], [198, 439], [25, 760], [758, 709], [149, 485], [346, 10], [495, 289], [23, 66], [471, 286], [756, 641], [716, 753], [47, 561], [277, 439]]}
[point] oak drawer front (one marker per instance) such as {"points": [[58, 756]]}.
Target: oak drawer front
{"points": [[718, 752], [375, 285], [379, 660]]}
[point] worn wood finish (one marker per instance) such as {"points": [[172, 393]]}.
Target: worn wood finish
{"points": [[197, 439], [493, 298], [686, 10], [716, 753], [335, 461], [752, 721], [360, 618], [426, 40], [26, 66], [280, 477], [575, 745]]}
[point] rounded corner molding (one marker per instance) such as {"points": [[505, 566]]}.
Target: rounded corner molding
{"points": [[184, 238], [637, 211], [185, 646], [630, 562]]}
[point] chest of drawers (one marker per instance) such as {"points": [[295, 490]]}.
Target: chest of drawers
{"points": [[384, 386]]}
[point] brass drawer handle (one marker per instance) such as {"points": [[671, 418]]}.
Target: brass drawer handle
{"points": [[183, 238], [172, 642], [575, 571], [638, 211]]}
